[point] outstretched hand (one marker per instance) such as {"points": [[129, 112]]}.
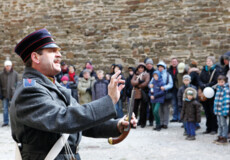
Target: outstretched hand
{"points": [[114, 90], [122, 123]]}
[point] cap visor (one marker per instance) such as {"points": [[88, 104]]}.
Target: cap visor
{"points": [[51, 45]]}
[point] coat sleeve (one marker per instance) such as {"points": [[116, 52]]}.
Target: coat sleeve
{"points": [[37, 108], [198, 114], [182, 112], [180, 97], [104, 130], [134, 81], [170, 83], [146, 82]]}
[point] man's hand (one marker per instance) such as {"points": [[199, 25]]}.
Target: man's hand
{"points": [[122, 123], [152, 97], [162, 88], [114, 91]]}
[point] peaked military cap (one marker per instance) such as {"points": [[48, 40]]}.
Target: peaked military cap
{"points": [[34, 41]]}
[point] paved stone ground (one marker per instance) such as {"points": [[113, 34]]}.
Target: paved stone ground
{"points": [[141, 144]]}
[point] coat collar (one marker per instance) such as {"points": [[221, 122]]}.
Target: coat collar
{"points": [[32, 73]]}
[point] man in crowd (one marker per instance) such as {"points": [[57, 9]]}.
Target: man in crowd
{"points": [[42, 110], [8, 82]]}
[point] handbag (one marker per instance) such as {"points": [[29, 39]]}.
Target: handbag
{"points": [[168, 95]]}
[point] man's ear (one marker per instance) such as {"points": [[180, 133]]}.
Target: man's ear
{"points": [[35, 57]]}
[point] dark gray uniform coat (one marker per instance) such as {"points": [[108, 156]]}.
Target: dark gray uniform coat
{"points": [[41, 111]]}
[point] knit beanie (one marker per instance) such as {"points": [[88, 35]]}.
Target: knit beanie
{"points": [[149, 61], [7, 63], [212, 58], [64, 78], [90, 67], [187, 77]]}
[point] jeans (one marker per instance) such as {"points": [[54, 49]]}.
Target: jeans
{"points": [[119, 110], [5, 104], [191, 128], [222, 126], [176, 111]]}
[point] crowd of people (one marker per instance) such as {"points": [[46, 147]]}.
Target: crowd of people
{"points": [[176, 84], [179, 85]]}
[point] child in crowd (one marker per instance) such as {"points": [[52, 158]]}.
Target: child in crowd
{"points": [[100, 86], [221, 108], [156, 97], [65, 82], [186, 83], [190, 112]]}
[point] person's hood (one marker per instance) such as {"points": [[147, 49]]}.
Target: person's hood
{"points": [[194, 93], [162, 63], [119, 66], [141, 64], [224, 56], [193, 70], [132, 68], [158, 73]]}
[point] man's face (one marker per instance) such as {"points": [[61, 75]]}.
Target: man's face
{"points": [[49, 61], [8, 68], [174, 62], [149, 66], [64, 67]]}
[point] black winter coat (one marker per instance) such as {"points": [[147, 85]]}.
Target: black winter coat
{"points": [[174, 76], [206, 74]]}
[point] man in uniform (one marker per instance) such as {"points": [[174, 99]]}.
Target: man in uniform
{"points": [[42, 110]]}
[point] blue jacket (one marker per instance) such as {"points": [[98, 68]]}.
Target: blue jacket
{"points": [[222, 100], [167, 78], [159, 95]]}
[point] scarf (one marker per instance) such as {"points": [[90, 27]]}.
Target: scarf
{"points": [[71, 77]]}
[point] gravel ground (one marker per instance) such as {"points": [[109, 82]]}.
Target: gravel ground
{"points": [[141, 144]]}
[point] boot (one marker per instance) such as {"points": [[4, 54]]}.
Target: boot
{"points": [[218, 139], [191, 138], [223, 141], [158, 128]]}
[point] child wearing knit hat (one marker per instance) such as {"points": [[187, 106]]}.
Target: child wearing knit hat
{"points": [[65, 82], [190, 113]]}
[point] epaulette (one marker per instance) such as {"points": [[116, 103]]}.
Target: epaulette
{"points": [[29, 82]]}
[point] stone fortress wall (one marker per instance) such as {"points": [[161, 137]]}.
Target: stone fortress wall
{"points": [[119, 31]]}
